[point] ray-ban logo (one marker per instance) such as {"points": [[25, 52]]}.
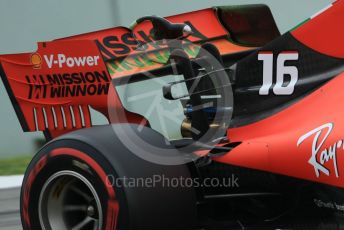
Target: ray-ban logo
{"points": [[320, 155]]}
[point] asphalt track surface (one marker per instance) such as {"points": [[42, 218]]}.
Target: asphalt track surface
{"points": [[9, 209]]}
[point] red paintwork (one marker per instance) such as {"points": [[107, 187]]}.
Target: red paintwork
{"points": [[324, 33], [17, 71], [76, 109], [271, 144]]}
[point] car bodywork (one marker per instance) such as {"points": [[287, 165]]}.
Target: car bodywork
{"points": [[77, 71], [287, 90]]}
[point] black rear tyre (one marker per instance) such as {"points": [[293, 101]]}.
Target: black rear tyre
{"points": [[91, 160]]}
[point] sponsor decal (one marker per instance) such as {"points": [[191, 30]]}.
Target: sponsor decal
{"points": [[330, 205], [62, 61], [147, 60], [113, 47], [320, 156], [68, 85], [36, 61]]}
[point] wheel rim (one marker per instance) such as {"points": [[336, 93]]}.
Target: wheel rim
{"points": [[69, 201]]}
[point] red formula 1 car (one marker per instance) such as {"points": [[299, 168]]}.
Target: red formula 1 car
{"points": [[214, 119]]}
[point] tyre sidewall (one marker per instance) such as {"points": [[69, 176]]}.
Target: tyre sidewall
{"points": [[88, 164]]}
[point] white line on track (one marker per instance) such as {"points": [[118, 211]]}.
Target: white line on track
{"points": [[11, 181]]}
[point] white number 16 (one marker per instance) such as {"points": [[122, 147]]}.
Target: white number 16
{"points": [[282, 70]]}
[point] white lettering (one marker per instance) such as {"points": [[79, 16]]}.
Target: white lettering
{"points": [[320, 157], [64, 61]]}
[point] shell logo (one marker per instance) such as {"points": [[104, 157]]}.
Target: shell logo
{"points": [[36, 60]]}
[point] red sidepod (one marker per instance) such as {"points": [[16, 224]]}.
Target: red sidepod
{"points": [[305, 141]]}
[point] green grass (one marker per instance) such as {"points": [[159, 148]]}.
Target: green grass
{"points": [[14, 166]]}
